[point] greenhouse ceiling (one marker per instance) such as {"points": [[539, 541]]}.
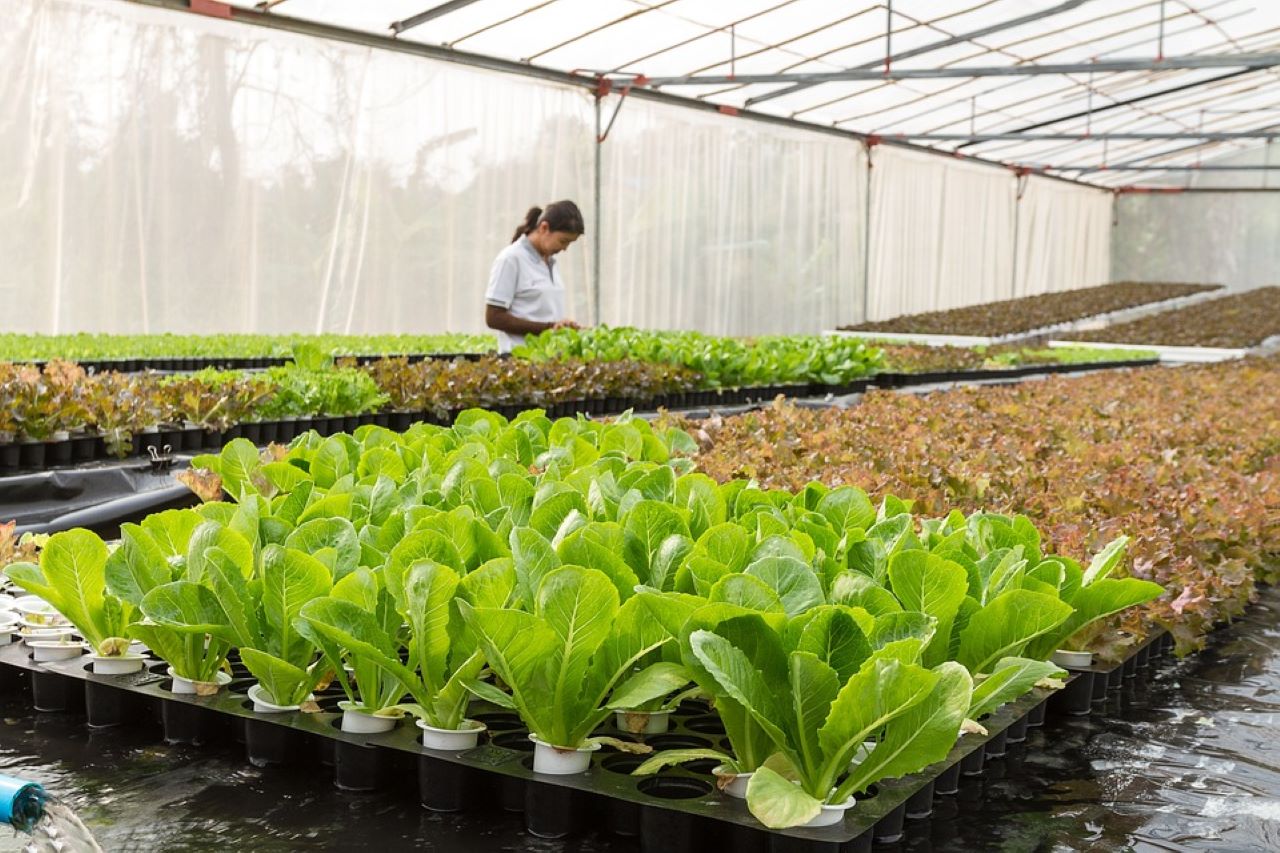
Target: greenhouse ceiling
{"points": [[1109, 92]]}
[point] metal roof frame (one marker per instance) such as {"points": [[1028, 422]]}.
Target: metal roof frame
{"points": [[1104, 80]]}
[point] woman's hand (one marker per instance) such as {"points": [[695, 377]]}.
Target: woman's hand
{"points": [[565, 324]]}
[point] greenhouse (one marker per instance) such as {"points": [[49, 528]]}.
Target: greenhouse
{"points": [[639, 426]]}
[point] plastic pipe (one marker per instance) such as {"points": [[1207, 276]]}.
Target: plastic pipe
{"points": [[21, 803]]}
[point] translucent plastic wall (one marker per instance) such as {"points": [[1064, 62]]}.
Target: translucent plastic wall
{"points": [[946, 234], [170, 172], [729, 226], [1064, 238], [1215, 238], [941, 233]]}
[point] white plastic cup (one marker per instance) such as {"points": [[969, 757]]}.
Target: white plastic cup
{"points": [[116, 664], [831, 815], [187, 687], [358, 722], [261, 705], [46, 651], [1068, 659], [561, 761], [862, 752], [642, 722], [736, 787], [451, 740]]}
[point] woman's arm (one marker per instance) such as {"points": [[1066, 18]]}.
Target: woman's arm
{"points": [[504, 321]]}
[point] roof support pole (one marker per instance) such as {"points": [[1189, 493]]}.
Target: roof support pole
{"points": [[597, 203], [1088, 118], [1173, 63], [888, 37], [1149, 167], [1215, 136], [1160, 38], [431, 14]]}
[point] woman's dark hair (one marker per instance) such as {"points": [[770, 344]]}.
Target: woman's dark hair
{"points": [[559, 216]]}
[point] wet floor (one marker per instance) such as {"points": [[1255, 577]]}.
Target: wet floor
{"points": [[1189, 761]]}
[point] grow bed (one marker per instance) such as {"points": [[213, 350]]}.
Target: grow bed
{"points": [[89, 447], [1032, 313], [1167, 354], [86, 447], [1240, 320], [673, 811], [214, 349], [931, 377], [194, 363]]}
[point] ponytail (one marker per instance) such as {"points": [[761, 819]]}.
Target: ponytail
{"points": [[524, 229], [559, 216]]}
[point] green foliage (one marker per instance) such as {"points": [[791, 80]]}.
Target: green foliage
{"points": [[722, 362], [72, 577], [573, 568]]}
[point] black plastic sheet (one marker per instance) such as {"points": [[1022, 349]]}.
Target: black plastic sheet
{"points": [[99, 497]]}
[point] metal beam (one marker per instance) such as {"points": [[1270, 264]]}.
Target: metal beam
{"points": [[1215, 136], [1136, 99], [1172, 63], [1143, 190], [937, 45], [331, 32], [1154, 167], [431, 14]]}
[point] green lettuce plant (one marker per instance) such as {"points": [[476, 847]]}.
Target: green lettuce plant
{"points": [[443, 658], [1092, 594], [262, 600], [187, 627], [562, 661], [361, 610], [819, 690], [71, 576]]}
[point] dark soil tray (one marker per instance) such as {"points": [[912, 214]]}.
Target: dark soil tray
{"points": [[676, 810]]}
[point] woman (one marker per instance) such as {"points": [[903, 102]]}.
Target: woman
{"points": [[526, 293]]}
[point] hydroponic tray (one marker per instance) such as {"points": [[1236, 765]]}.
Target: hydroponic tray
{"points": [[903, 380], [178, 365], [676, 810]]}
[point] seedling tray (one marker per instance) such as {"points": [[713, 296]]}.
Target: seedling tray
{"points": [[903, 380], [84, 449], [677, 809], [178, 365]]}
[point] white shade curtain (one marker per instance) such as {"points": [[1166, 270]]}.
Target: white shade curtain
{"points": [[172, 172], [168, 172], [727, 225], [942, 233], [1064, 237]]}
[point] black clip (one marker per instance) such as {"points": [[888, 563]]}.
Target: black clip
{"points": [[162, 459]]}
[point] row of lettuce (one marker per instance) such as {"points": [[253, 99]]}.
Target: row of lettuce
{"points": [[61, 401], [87, 346], [572, 569]]}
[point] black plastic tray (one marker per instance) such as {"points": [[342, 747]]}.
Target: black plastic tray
{"points": [[84, 449], [903, 380], [185, 364], [675, 810]]}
